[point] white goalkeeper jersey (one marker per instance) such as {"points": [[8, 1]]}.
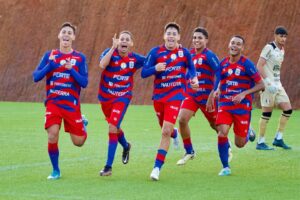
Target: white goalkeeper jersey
{"points": [[274, 58]]}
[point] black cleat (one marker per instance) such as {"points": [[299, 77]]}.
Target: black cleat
{"points": [[106, 171], [125, 154], [280, 143]]}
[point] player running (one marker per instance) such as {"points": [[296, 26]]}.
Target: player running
{"points": [[115, 92], [66, 73], [169, 64], [239, 79]]}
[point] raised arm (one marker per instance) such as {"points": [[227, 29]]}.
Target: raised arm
{"points": [[106, 55], [150, 65], [45, 66], [81, 77]]}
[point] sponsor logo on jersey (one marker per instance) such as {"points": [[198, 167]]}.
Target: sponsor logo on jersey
{"points": [[173, 56], [200, 61], [123, 65]]}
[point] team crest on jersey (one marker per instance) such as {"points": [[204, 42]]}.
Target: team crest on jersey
{"points": [[73, 61], [180, 53], [110, 83], [173, 56], [123, 65], [200, 61], [230, 71], [62, 62], [131, 64], [237, 72]]}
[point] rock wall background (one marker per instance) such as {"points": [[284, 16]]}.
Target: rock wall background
{"points": [[29, 27]]}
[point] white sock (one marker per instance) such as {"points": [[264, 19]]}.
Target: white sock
{"points": [[261, 140], [278, 135]]}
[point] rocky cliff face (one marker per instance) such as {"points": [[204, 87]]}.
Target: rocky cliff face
{"points": [[29, 27]]}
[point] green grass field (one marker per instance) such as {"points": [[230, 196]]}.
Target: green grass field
{"points": [[24, 162]]}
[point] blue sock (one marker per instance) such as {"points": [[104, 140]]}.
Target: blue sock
{"points": [[175, 133], [53, 155], [187, 143], [223, 146], [160, 158], [112, 147], [122, 140]]}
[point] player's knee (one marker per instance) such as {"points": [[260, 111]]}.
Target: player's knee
{"points": [[167, 131], [112, 128], [240, 144], [183, 120], [266, 115], [78, 143], [287, 113], [52, 136]]}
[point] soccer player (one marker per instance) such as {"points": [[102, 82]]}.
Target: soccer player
{"points": [[239, 78], [269, 65], [168, 63], [206, 63], [66, 73], [115, 92]]}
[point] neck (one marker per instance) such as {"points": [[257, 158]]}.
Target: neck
{"points": [[278, 45], [171, 48], [234, 58], [123, 54], [199, 50], [65, 50]]}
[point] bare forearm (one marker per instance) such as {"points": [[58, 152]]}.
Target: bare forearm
{"points": [[106, 59]]}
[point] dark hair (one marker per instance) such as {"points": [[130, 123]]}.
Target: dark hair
{"points": [[68, 24], [127, 32], [201, 30], [280, 30], [238, 36], [172, 25]]}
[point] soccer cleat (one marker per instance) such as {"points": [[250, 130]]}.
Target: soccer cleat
{"points": [[186, 157], [230, 155], [155, 174], [225, 172], [176, 139], [85, 121], [106, 171], [263, 146], [280, 143], [125, 154], [252, 134], [54, 175]]}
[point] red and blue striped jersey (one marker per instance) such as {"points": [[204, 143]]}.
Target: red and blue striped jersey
{"points": [[116, 82], [234, 79], [169, 85], [63, 86], [206, 64]]}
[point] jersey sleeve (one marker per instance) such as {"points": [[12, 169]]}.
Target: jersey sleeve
{"points": [[140, 60], [252, 71], [266, 52], [190, 65], [104, 53], [82, 76], [213, 61], [42, 69], [149, 65]]}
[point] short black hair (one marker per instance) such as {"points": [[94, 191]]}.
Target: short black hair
{"points": [[172, 25], [280, 30], [201, 30], [238, 36], [69, 24]]}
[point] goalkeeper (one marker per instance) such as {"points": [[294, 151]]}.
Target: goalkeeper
{"points": [[269, 65]]}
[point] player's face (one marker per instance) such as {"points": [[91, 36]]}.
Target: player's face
{"points": [[66, 36], [199, 40], [236, 46], [280, 39], [171, 38], [125, 42]]}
